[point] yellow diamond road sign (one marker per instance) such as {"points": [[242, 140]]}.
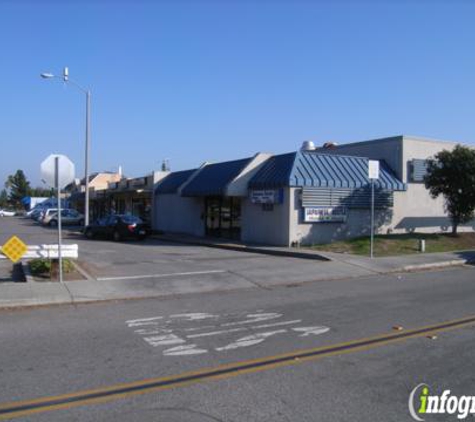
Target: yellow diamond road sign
{"points": [[14, 249]]}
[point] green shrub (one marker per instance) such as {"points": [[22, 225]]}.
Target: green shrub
{"points": [[43, 266]]}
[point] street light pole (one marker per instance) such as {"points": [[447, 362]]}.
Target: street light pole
{"points": [[86, 160], [87, 92]]}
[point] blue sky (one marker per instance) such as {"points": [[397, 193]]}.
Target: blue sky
{"points": [[199, 81]]}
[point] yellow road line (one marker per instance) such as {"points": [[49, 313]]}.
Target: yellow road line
{"points": [[118, 391]]}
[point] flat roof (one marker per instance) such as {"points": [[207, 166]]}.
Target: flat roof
{"points": [[394, 138]]}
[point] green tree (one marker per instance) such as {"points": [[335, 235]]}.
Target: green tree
{"points": [[452, 175], [41, 192], [18, 187], [3, 198]]}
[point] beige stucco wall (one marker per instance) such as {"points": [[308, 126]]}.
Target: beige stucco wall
{"points": [[423, 149], [266, 227], [177, 214], [415, 209], [101, 181]]}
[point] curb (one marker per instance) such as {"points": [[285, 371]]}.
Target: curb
{"points": [[435, 265], [248, 249]]}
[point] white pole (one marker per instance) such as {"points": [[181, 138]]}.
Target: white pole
{"points": [[86, 164], [372, 218], [60, 260]]}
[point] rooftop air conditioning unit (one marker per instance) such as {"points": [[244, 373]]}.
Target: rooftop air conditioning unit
{"points": [[308, 146]]}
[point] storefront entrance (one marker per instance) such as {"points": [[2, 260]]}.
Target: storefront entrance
{"points": [[223, 217]]}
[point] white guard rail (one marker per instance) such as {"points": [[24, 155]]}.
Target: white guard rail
{"points": [[48, 251]]}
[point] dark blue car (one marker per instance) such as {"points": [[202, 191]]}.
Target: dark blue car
{"points": [[118, 227]]}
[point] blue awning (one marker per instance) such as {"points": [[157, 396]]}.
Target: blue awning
{"points": [[172, 182], [313, 169], [275, 173], [214, 178]]}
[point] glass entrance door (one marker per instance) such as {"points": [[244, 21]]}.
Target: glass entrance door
{"points": [[223, 217], [213, 217]]}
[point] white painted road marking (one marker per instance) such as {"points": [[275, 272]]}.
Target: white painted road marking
{"points": [[138, 277], [277, 324], [161, 331], [311, 330], [250, 340], [214, 333], [136, 322], [165, 340], [194, 317], [189, 349], [254, 318]]}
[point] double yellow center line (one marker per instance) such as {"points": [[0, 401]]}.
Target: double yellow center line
{"points": [[114, 392]]}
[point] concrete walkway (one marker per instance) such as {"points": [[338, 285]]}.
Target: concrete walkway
{"points": [[331, 266], [404, 263], [377, 265], [242, 247]]}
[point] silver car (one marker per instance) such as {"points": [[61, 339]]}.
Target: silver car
{"points": [[68, 217]]}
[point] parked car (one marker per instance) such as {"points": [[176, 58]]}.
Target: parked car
{"points": [[68, 217], [35, 215], [118, 227], [6, 213], [46, 212], [33, 211]]}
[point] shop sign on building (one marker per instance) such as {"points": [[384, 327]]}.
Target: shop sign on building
{"points": [[373, 169], [325, 215], [267, 196]]}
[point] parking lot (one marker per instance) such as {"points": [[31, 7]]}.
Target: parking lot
{"points": [[154, 260]]}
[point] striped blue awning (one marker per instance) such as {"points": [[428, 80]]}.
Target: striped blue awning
{"points": [[314, 169]]}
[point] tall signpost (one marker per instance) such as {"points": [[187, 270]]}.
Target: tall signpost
{"points": [[373, 174], [58, 171]]}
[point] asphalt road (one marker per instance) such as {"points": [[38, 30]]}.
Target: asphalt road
{"points": [[54, 351]]}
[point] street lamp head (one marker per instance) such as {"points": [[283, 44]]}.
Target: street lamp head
{"points": [[47, 75]]}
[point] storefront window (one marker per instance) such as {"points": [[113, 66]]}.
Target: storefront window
{"points": [[223, 217], [141, 207]]}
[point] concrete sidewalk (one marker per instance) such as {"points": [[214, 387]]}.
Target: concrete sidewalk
{"points": [[234, 245], [403, 263], [336, 266], [378, 265]]}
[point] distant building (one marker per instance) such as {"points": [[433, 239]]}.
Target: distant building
{"points": [[97, 182], [130, 196]]}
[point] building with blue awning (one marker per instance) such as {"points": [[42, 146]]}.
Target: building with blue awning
{"points": [[310, 196]]}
